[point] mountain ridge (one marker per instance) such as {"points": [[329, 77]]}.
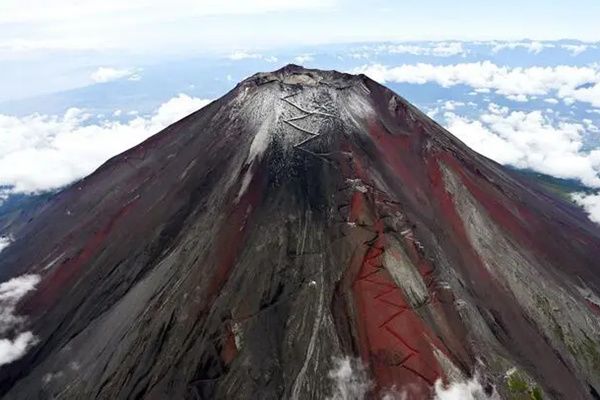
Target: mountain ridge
{"points": [[304, 217]]}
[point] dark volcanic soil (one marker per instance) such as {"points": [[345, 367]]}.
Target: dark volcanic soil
{"points": [[305, 218]]}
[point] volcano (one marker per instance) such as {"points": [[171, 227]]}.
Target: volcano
{"points": [[310, 235]]}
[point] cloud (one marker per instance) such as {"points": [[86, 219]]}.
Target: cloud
{"points": [[4, 240], [529, 140], [437, 49], [108, 74], [590, 203], [570, 83], [10, 293], [532, 47], [11, 350], [350, 379], [245, 55], [576, 49], [432, 49], [351, 382], [467, 390], [45, 152], [303, 58]]}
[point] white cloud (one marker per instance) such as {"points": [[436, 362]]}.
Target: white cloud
{"points": [[350, 379], [520, 98], [243, 55], [435, 49], [467, 390], [303, 58], [532, 47], [108, 74], [10, 293], [570, 83], [239, 55], [14, 289], [451, 105], [575, 49], [44, 152], [11, 350], [4, 240], [529, 140], [590, 203], [438, 49]]}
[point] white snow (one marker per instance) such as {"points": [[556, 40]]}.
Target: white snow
{"points": [[357, 185], [260, 142]]}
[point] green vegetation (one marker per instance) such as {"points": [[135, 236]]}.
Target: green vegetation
{"points": [[588, 349], [519, 388], [558, 186]]}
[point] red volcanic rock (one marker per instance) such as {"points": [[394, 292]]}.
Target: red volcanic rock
{"points": [[308, 226]]}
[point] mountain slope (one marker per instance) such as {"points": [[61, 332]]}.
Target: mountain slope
{"points": [[306, 218]]}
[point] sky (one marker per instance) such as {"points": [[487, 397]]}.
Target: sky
{"points": [[28, 27], [45, 46]]}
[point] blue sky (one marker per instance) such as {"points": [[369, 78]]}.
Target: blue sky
{"points": [[185, 25], [48, 46]]}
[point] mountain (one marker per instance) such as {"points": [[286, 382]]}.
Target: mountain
{"points": [[309, 235]]}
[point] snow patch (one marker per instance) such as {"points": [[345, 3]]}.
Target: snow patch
{"points": [[259, 145], [357, 106], [357, 185], [238, 335], [260, 142], [245, 183]]}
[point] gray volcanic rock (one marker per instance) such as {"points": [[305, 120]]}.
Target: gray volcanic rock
{"points": [[309, 234]]}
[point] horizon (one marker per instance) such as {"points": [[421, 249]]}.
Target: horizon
{"points": [[527, 104]]}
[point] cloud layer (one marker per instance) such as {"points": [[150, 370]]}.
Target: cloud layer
{"points": [[108, 74], [11, 292], [350, 379], [529, 140], [569, 83], [44, 152]]}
